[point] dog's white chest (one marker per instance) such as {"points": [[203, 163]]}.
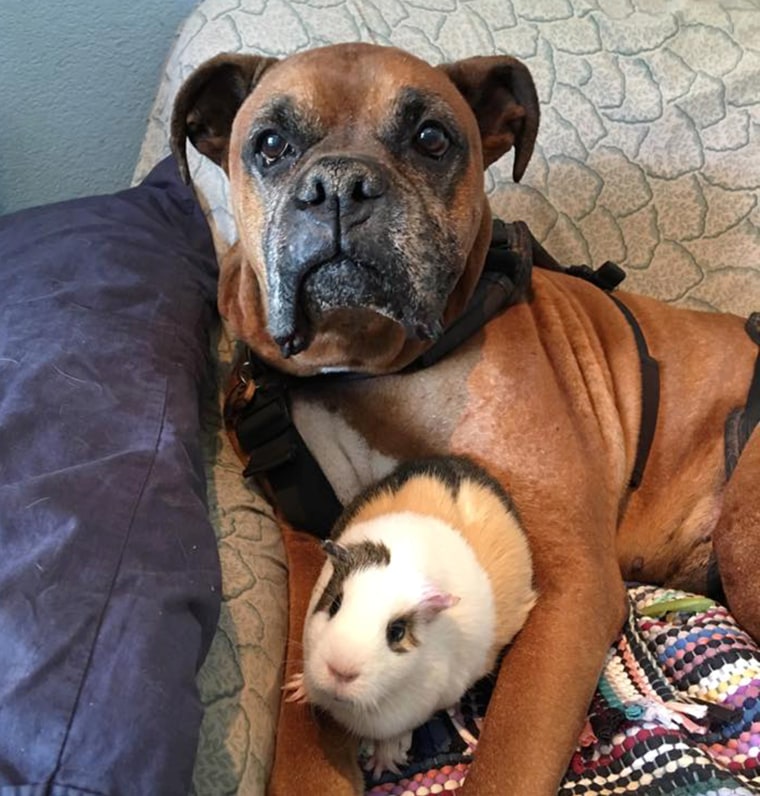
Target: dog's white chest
{"points": [[346, 458]]}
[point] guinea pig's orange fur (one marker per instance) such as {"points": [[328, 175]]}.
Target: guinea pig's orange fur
{"points": [[493, 533]]}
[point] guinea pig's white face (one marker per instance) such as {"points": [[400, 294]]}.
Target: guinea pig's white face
{"points": [[370, 655]]}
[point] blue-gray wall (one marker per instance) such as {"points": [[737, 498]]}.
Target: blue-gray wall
{"points": [[77, 78]]}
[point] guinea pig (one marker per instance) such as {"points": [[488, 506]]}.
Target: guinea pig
{"points": [[428, 576]]}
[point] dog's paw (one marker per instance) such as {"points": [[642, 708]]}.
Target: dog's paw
{"points": [[295, 689], [390, 754]]}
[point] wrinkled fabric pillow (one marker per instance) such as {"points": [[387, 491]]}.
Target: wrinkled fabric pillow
{"points": [[109, 576]]}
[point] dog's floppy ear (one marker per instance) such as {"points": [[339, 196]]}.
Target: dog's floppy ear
{"points": [[500, 91], [207, 102]]}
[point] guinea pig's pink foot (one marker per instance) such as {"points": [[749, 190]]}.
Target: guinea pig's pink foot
{"points": [[389, 754], [296, 689]]}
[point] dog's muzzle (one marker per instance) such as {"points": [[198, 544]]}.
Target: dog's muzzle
{"points": [[333, 248]]}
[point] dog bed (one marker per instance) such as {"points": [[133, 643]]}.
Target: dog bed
{"points": [[647, 154]]}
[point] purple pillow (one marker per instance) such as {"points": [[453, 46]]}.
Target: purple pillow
{"points": [[109, 576]]}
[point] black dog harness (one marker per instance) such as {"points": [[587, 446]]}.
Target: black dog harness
{"points": [[742, 422], [257, 408]]}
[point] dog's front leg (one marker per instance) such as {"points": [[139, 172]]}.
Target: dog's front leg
{"points": [[546, 683], [313, 755]]}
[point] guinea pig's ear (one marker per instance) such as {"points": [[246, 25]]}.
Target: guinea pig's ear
{"points": [[207, 103], [501, 93], [336, 551], [433, 602]]}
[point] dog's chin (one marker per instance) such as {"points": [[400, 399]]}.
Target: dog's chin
{"points": [[345, 285], [343, 290]]}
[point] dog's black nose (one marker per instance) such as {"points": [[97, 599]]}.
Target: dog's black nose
{"points": [[341, 186]]}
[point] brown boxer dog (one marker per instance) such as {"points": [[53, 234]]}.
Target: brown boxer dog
{"points": [[356, 176]]}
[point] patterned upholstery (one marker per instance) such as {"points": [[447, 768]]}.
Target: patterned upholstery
{"points": [[648, 154]]}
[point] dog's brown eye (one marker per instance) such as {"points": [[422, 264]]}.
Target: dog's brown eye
{"points": [[396, 631], [272, 146], [432, 140]]}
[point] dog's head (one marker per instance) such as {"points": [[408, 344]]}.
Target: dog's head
{"points": [[356, 175]]}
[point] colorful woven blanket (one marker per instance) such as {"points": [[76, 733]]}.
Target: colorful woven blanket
{"points": [[676, 711]]}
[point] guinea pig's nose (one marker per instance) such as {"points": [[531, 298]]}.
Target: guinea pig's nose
{"points": [[342, 675]]}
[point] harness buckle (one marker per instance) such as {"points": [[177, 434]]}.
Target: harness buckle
{"points": [[274, 453], [607, 276]]}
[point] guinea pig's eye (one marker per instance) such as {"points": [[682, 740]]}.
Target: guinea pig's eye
{"points": [[335, 605], [396, 631], [432, 140], [271, 147]]}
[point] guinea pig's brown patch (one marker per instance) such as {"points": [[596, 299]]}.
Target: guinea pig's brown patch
{"points": [[366, 554], [354, 557]]}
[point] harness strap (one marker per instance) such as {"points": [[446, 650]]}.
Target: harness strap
{"points": [[742, 422], [607, 277], [258, 411], [504, 281], [752, 408], [650, 396]]}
